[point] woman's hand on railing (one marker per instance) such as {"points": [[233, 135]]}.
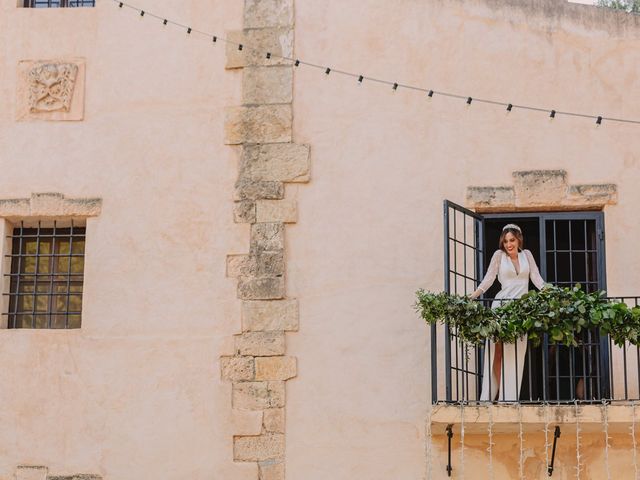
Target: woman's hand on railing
{"points": [[476, 294]]}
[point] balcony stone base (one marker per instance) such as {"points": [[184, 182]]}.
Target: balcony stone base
{"points": [[507, 418]]}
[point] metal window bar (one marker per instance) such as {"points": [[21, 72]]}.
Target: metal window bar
{"points": [[567, 385], [42, 285], [58, 3]]}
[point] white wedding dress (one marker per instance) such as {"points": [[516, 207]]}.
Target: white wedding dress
{"points": [[514, 285]]}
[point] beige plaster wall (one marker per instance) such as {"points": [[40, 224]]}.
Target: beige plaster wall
{"points": [[370, 228], [136, 392]]}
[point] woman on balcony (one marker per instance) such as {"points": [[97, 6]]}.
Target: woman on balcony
{"points": [[514, 267]]}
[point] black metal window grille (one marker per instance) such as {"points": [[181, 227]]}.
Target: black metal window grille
{"points": [[58, 3], [572, 253], [463, 267], [47, 276], [574, 256]]}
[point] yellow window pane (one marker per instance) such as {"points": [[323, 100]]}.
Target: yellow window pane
{"points": [[30, 247], [75, 303], [44, 247], [77, 246], [74, 321], [57, 321], [42, 321], [28, 264], [42, 303], [60, 303], [23, 321], [25, 303], [63, 246], [44, 264], [77, 264]]}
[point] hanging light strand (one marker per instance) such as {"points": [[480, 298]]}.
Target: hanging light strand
{"points": [[490, 438], [599, 119], [521, 439], [462, 440], [429, 448], [578, 464], [605, 416], [633, 440], [546, 434]]}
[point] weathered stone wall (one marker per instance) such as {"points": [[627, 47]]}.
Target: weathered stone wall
{"points": [[541, 190], [38, 472], [49, 205], [263, 129]]}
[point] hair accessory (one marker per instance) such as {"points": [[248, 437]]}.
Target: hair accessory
{"points": [[511, 226]]}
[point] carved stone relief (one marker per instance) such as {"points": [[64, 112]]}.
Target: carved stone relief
{"points": [[50, 90], [51, 86]]}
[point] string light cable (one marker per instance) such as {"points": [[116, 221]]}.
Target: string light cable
{"points": [[490, 440], [521, 440], [462, 475], [361, 78], [578, 456]]}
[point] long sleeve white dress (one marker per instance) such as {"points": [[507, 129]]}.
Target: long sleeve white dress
{"points": [[514, 285]]}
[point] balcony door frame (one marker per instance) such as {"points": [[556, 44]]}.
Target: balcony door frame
{"points": [[542, 217]]}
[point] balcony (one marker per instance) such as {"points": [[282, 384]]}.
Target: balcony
{"points": [[595, 371], [587, 394]]}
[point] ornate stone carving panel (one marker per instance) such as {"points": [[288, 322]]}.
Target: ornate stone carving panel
{"points": [[51, 87], [50, 90]]}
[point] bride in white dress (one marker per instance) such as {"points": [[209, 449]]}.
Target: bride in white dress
{"points": [[514, 267]]}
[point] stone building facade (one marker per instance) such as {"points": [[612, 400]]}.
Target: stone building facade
{"points": [[254, 231]]}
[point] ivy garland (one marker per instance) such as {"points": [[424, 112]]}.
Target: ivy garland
{"points": [[560, 313]]}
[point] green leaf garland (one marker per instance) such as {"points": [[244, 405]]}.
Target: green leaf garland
{"points": [[561, 313]]}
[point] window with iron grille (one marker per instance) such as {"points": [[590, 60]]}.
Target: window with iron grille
{"points": [[58, 3], [46, 279]]}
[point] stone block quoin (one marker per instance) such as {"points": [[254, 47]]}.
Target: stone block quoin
{"points": [[261, 130]]}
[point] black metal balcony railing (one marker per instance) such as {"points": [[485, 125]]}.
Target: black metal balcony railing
{"points": [[595, 370]]}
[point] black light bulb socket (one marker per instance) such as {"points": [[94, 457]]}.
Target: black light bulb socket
{"points": [[395, 86], [120, 4], [509, 107], [297, 63], [240, 47], [469, 100], [142, 13], [553, 114], [268, 55], [165, 21], [360, 78], [327, 71], [599, 120], [189, 31], [215, 39], [430, 93]]}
